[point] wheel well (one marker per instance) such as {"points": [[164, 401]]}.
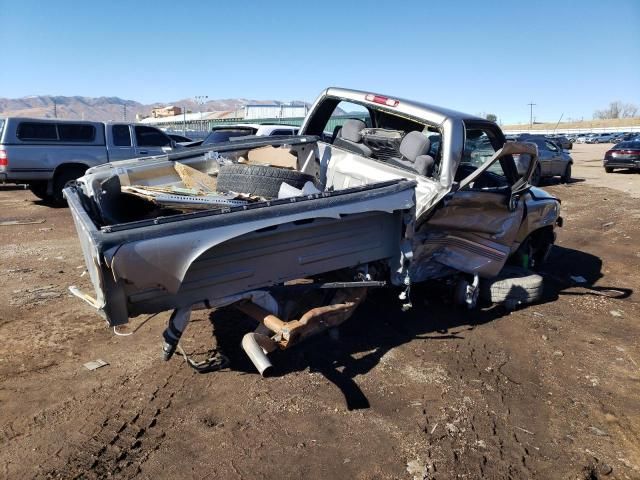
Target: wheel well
{"points": [[542, 236], [536, 244], [541, 241], [65, 167]]}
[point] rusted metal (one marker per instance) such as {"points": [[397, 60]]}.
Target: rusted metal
{"points": [[314, 321]]}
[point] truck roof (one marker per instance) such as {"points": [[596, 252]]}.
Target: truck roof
{"points": [[58, 120]]}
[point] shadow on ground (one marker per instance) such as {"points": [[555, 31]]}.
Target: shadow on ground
{"points": [[547, 182], [379, 325]]}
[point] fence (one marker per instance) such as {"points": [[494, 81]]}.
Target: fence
{"points": [[198, 129]]}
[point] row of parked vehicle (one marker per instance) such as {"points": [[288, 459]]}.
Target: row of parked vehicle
{"points": [[614, 137]]}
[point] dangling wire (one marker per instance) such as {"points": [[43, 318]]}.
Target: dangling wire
{"points": [[135, 329], [216, 361]]}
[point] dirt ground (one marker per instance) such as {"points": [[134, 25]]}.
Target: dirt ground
{"points": [[550, 391]]}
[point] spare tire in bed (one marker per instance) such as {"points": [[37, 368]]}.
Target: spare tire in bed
{"points": [[259, 180]]}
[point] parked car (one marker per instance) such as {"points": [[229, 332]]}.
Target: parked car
{"points": [[602, 138], [339, 216], [563, 141], [552, 160], [224, 133], [623, 155], [583, 138], [50, 154], [629, 136], [616, 137]]}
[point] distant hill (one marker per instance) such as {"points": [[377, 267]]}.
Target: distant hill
{"points": [[108, 108]]}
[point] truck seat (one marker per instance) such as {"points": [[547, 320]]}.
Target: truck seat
{"points": [[350, 138], [414, 148]]}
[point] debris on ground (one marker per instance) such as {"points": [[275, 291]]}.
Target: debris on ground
{"points": [[598, 432], [417, 469], [95, 364], [23, 221]]}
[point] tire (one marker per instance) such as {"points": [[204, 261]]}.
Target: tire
{"points": [[63, 179], [513, 286], [259, 180], [39, 189], [536, 177], [608, 169], [566, 178]]}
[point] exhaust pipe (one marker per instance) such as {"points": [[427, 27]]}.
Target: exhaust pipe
{"points": [[258, 343], [256, 346]]}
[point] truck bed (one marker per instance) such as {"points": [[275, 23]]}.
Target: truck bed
{"points": [[213, 257]]}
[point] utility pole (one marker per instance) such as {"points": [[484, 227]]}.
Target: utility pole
{"points": [[55, 109], [124, 112], [531, 105], [184, 121]]}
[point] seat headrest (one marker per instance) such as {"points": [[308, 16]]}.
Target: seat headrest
{"points": [[413, 145], [351, 130]]}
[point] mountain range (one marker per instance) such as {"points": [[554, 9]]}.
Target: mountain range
{"points": [[109, 108]]}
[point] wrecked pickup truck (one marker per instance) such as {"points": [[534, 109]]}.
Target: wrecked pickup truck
{"points": [[404, 193]]}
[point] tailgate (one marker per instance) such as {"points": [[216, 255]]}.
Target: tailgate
{"points": [[87, 233]]}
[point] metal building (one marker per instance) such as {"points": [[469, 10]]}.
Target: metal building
{"points": [[253, 111]]}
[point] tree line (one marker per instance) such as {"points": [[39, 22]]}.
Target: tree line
{"points": [[617, 109]]}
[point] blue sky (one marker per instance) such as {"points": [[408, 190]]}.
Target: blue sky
{"points": [[492, 56]]}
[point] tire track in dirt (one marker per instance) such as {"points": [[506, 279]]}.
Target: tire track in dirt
{"points": [[462, 440], [124, 436]]}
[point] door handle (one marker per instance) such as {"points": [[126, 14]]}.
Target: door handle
{"points": [[143, 152]]}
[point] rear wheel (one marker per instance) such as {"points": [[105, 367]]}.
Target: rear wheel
{"points": [[63, 179], [608, 169], [39, 189], [566, 178]]}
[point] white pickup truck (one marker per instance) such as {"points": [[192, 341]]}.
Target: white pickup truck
{"points": [[411, 193]]}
